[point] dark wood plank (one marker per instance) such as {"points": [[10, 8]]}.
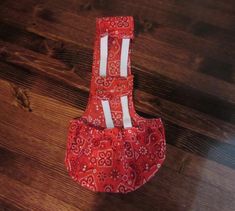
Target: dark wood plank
{"points": [[6, 205], [207, 141], [80, 58], [165, 88], [198, 58], [29, 198]]}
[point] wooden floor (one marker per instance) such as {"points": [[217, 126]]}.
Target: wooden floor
{"points": [[183, 60]]}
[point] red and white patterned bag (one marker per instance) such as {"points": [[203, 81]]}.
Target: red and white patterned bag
{"points": [[111, 148]]}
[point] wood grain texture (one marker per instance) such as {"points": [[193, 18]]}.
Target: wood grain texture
{"points": [[183, 63]]}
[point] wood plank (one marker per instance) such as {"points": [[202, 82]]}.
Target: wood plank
{"points": [[170, 89], [29, 198], [183, 116], [167, 54], [224, 6], [6, 205], [207, 143], [67, 11], [192, 79], [178, 14], [167, 18], [187, 9], [76, 58], [200, 168], [82, 103]]}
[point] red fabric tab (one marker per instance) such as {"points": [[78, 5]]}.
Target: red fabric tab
{"points": [[120, 27], [108, 87]]}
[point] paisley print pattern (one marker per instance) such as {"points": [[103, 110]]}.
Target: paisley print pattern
{"points": [[118, 27], [119, 159], [108, 87]]}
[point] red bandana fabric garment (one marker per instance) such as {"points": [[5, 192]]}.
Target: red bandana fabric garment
{"points": [[111, 148]]}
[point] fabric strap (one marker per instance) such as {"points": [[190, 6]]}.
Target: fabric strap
{"points": [[103, 55], [125, 112], [107, 114], [124, 57]]}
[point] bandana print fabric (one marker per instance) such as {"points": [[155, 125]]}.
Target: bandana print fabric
{"points": [[111, 148]]}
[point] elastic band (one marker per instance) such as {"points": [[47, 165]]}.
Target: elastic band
{"points": [[126, 114], [124, 57], [107, 114], [103, 55]]}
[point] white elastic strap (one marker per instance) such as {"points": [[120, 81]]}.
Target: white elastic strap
{"points": [[107, 114], [103, 55], [125, 112], [124, 57]]}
